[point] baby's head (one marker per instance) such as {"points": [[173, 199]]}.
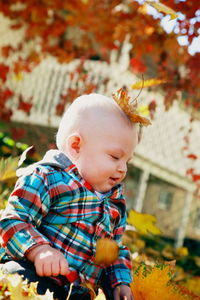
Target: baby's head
{"points": [[99, 139]]}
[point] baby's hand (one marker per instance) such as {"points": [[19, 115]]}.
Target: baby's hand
{"points": [[123, 292], [48, 261]]}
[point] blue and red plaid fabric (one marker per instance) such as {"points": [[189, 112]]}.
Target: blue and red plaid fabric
{"points": [[54, 205]]}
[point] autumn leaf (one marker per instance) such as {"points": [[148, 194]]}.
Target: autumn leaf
{"points": [[193, 284], [144, 223], [143, 110], [107, 251], [123, 100], [18, 133], [137, 65], [23, 105], [147, 83], [18, 76], [196, 177], [6, 50], [90, 287], [155, 283], [192, 156], [163, 9], [18, 289], [190, 171], [8, 168], [182, 251], [4, 69], [152, 106], [100, 295], [5, 95]]}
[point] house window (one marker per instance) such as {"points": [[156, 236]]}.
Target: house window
{"points": [[197, 219], [165, 199]]}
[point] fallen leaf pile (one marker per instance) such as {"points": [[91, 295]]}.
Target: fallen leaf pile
{"points": [[155, 283], [13, 287]]}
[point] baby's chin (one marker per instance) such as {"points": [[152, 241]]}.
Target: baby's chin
{"points": [[103, 189]]}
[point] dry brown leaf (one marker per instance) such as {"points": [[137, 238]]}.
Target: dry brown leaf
{"points": [[123, 100]]}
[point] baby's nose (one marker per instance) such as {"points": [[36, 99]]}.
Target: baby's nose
{"points": [[122, 168]]}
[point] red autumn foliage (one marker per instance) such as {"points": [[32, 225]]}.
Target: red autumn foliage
{"points": [[196, 177], [18, 133], [192, 156], [137, 65], [76, 29], [4, 69], [23, 105]]}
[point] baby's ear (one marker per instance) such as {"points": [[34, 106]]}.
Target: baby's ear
{"points": [[74, 142]]}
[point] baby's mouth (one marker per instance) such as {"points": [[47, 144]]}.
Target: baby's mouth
{"points": [[114, 179]]}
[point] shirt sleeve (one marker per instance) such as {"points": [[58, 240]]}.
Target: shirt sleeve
{"points": [[120, 271], [27, 205]]}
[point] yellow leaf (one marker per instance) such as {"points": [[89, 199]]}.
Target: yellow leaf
{"points": [[100, 295], [90, 287], [193, 284], [122, 98], [147, 83], [143, 9], [6, 150], [155, 284], [197, 260], [20, 290], [8, 168], [144, 110], [163, 9], [182, 251], [18, 77], [144, 223]]}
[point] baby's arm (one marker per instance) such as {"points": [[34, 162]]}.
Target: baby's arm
{"points": [[48, 261], [27, 205]]}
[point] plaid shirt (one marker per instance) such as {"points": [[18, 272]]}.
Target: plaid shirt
{"points": [[52, 204]]}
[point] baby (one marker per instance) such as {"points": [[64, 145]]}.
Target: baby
{"points": [[63, 204]]}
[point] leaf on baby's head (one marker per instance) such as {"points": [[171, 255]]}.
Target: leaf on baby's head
{"points": [[144, 223], [122, 98]]}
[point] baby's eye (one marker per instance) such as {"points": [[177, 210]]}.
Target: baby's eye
{"points": [[114, 157]]}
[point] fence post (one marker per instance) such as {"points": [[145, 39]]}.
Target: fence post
{"points": [[184, 219], [141, 190]]}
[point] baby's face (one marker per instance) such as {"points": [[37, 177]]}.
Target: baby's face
{"points": [[105, 154]]}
